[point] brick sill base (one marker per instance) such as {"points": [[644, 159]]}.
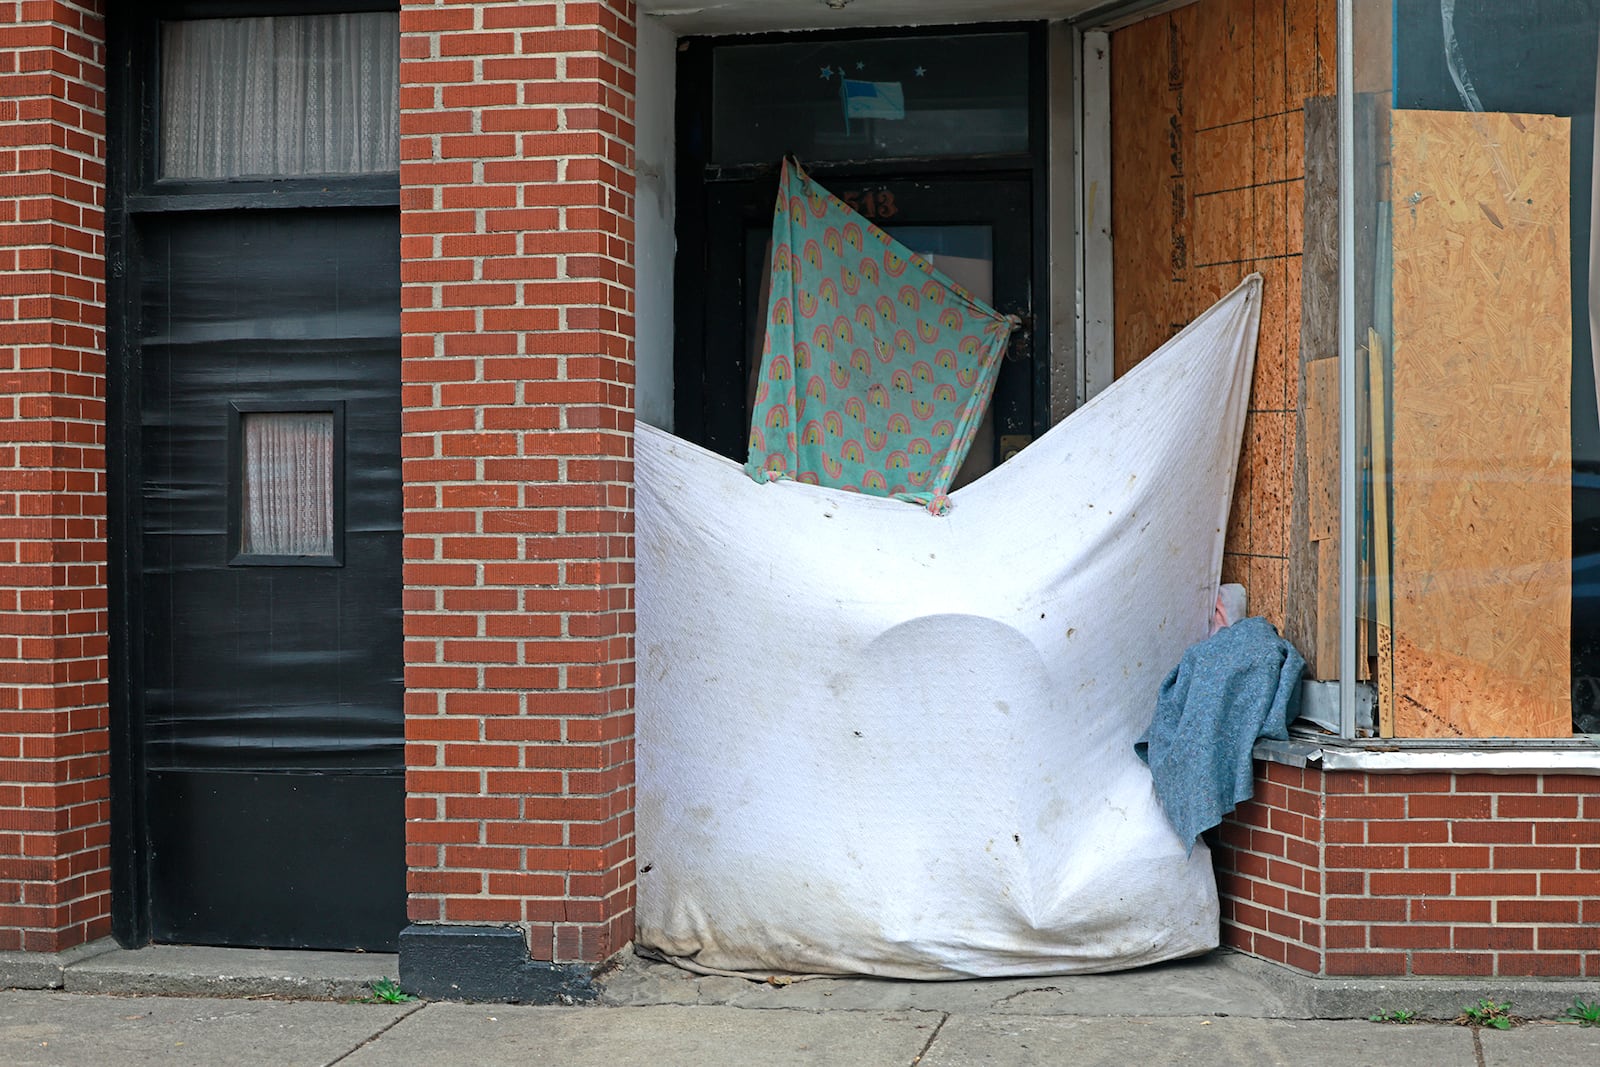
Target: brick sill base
{"points": [[1493, 874]]}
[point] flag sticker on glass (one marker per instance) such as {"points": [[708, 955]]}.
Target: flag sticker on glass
{"points": [[873, 100]]}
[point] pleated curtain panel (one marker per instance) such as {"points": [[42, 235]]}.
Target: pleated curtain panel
{"points": [[280, 96], [287, 502]]}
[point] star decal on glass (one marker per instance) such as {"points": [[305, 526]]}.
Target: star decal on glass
{"points": [[827, 73], [921, 72], [860, 65]]}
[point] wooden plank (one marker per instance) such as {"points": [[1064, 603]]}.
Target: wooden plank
{"points": [[1481, 452], [1322, 502], [1322, 450], [1373, 281], [1328, 602], [1385, 682], [1307, 593], [1321, 424], [1364, 651], [1382, 575]]}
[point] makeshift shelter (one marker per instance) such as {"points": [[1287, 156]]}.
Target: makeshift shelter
{"points": [[875, 741]]}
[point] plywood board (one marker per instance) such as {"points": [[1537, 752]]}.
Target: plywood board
{"points": [[1322, 449], [1312, 587], [1328, 605], [1150, 196], [1322, 504], [1480, 448], [1382, 570]]}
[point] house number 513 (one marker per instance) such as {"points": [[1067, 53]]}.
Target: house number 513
{"points": [[872, 203]]}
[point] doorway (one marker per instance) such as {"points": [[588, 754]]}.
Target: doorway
{"points": [[947, 155], [255, 379]]}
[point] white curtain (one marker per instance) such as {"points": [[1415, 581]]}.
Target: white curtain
{"points": [[288, 95], [287, 501]]}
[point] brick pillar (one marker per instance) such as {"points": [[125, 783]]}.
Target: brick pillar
{"points": [[517, 247], [55, 882], [1270, 870]]}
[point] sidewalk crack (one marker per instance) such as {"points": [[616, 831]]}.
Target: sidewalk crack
{"points": [[392, 1024], [1477, 1046], [944, 1018], [1025, 992]]}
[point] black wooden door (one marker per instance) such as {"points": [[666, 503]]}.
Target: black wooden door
{"points": [[270, 691]]}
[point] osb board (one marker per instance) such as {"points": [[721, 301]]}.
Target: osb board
{"points": [[1480, 450], [1186, 160], [1150, 196], [1206, 157], [1207, 160]]}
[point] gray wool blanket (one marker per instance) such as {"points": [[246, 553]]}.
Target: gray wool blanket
{"points": [[1240, 684]]}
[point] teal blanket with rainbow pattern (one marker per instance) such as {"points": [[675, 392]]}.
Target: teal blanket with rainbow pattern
{"points": [[876, 368]]}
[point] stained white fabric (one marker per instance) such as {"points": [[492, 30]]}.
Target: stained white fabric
{"points": [[287, 497], [875, 741], [280, 96]]}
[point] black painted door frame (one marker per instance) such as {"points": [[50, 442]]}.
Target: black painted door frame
{"points": [[716, 203], [136, 202]]}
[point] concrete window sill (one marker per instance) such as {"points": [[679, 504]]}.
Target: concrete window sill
{"points": [[1580, 755]]}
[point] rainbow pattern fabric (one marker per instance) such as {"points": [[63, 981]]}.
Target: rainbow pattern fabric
{"points": [[876, 368]]}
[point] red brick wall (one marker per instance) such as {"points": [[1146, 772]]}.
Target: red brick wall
{"points": [[54, 838], [1421, 874], [517, 246], [1269, 869]]}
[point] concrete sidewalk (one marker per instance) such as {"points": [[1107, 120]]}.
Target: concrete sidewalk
{"points": [[55, 1028], [1222, 1010]]}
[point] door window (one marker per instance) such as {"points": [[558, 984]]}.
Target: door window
{"points": [[871, 98], [281, 96], [288, 473]]}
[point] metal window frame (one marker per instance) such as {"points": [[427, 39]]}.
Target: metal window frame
{"points": [[1346, 750], [1349, 387], [1578, 755]]}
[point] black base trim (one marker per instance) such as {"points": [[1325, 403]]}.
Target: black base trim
{"points": [[485, 964]]}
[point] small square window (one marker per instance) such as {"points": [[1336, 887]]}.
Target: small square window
{"points": [[286, 485]]}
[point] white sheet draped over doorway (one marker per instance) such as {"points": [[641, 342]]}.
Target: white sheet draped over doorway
{"points": [[874, 741]]}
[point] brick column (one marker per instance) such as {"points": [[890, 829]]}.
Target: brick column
{"points": [[55, 882], [517, 246], [1270, 870]]}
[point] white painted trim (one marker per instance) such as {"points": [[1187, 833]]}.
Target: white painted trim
{"points": [[1507, 757], [1096, 303], [655, 222], [1115, 16], [1061, 88]]}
